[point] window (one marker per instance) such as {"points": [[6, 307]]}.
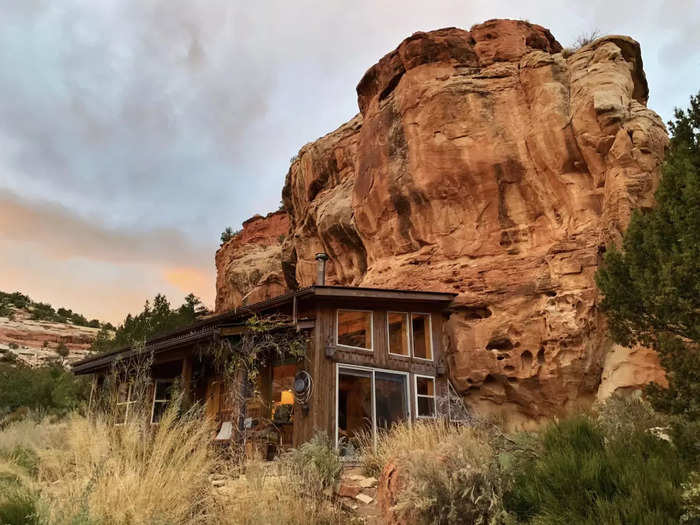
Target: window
{"points": [[125, 398], [282, 392], [425, 396], [368, 400], [398, 333], [354, 329], [162, 394], [422, 343]]}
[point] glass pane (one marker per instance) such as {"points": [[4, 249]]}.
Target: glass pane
{"points": [[163, 390], [426, 406], [421, 336], [282, 392], [123, 393], [120, 415], [425, 386], [390, 395], [158, 411], [354, 409], [398, 333], [354, 329]]}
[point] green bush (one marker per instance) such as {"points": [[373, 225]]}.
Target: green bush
{"points": [[49, 389], [579, 475], [317, 460], [17, 507]]}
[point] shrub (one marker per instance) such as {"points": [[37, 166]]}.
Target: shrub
{"points": [[17, 506], [629, 414], [317, 460], [691, 499], [580, 475], [227, 235], [449, 473], [62, 349], [585, 38], [49, 388]]}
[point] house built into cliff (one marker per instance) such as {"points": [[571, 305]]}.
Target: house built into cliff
{"points": [[372, 357]]}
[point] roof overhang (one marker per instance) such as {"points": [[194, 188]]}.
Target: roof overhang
{"points": [[211, 327]]}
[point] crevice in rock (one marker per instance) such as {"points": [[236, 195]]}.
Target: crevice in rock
{"points": [[500, 343], [477, 312], [540, 356], [391, 86], [526, 358]]}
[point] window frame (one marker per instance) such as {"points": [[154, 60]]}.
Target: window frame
{"points": [[126, 403], [371, 370], [430, 337], [417, 395], [371, 328], [154, 401], [409, 339]]}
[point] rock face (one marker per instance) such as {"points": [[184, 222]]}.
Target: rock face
{"points": [[249, 265], [34, 342], [488, 163]]}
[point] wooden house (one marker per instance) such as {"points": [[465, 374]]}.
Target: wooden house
{"points": [[372, 357]]}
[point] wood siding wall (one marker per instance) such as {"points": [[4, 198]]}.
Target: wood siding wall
{"points": [[324, 356]]}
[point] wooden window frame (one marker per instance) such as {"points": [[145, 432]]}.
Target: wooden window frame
{"points": [[126, 403], [164, 401], [417, 395], [372, 371], [409, 339], [430, 337], [371, 329]]}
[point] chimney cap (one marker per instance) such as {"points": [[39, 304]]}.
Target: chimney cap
{"points": [[321, 256]]}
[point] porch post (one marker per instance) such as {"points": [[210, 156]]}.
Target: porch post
{"points": [[186, 377]]}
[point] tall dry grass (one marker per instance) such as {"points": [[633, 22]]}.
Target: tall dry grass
{"points": [[128, 474], [297, 489], [85, 471], [82, 471]]}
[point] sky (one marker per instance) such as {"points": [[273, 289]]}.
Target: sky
{"points": [[132, 132]]}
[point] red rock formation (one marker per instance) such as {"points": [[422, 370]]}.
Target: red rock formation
{"points": [[489, 163], [35, 342], [248, 266]]}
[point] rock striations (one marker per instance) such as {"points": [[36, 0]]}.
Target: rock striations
{"points": [[494, 164]]}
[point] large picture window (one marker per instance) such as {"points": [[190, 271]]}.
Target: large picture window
{"points": [[398, 333], [422, 342], [354, 329], [162, 394], [368, 400], [425, 396]]}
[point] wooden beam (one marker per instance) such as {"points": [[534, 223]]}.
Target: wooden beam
{"points": [[186, 376]]}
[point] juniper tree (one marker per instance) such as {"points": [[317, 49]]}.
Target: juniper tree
{"points": [[652, 285]]}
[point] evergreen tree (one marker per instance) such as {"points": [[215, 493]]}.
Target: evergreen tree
{"points": [[226, 235], [156, 319], [652, 286]]}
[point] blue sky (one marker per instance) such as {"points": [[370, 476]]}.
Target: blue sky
{"points": [[133, 132]]}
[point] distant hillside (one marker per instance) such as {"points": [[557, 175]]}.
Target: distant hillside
{"points": [[36, 333]]}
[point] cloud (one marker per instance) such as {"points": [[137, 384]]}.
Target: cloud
{"points": [[132, 132], [57, 256], [58, 231]]}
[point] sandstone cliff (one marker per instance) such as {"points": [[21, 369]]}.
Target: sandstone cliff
{"points": [[34, 342], [489, 163]]}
